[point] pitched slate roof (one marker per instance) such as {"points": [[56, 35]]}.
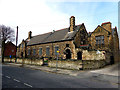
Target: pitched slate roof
{"points": [[59, 35]]}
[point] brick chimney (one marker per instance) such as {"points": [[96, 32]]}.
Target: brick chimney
{"points": [[107, 26], [72, 23], [29, 35]]}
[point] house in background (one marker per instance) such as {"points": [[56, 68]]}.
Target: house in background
{"points": [[10, 49], [73, 42]]}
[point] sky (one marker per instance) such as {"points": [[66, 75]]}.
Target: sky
{"points": [[43, 16]]}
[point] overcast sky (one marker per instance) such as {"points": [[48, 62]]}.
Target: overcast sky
{"points": [[42, 16]]}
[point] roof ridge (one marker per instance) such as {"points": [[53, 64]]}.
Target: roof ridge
{"points": [[42, 34], [61, 29], [68, 27], [9, 42], [55, 31]]}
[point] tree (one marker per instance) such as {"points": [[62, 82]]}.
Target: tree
{"points": [[6, 34]]}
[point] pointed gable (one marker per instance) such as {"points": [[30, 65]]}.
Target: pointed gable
{"points": [[81, 37], [100, 29]]}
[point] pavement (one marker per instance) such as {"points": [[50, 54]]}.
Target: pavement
{"points": [[109, 73]]}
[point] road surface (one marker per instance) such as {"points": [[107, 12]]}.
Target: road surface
{"points": [[20, 77]]}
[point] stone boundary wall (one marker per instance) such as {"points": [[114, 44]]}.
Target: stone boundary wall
{"points": [[78, 65], [93, 64], [65, 64], [26, 61]]}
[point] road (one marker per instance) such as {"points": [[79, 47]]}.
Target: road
{"points": [[20, 77]]}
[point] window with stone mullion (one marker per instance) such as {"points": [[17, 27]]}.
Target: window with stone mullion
{"points": [[28, 51], [99, 40], [56, 49], [34, 52], [40, 51], [47, 51]]}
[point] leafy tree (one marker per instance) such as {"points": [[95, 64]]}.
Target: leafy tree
{"points": [[6, 34]]}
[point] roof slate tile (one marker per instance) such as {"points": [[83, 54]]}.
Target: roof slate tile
{"points": [[59, 35]]}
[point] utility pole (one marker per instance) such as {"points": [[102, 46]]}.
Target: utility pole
{"points": [[16, 43]]}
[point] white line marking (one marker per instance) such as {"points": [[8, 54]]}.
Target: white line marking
{"points": [[16, 80], [7, 76], [27, 84]]}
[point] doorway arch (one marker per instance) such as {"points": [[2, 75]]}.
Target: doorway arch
{"points": [[79, 55], [68, 54]]}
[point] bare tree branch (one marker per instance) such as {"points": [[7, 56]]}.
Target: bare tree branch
{"points": [[6, 34]]}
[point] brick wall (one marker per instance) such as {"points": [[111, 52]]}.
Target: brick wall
{"points": [[10, 49]]}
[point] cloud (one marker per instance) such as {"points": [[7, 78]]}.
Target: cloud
{"points": [[41, 16], [31, 15]]}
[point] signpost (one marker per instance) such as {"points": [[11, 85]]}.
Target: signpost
{"points": [[10, 58], [57, 60]]}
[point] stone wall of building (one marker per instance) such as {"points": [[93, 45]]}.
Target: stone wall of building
{"points": [[107, 26], [108, 39], [61, 45], [116, 55], [116, 40], [21, 49], [81, 37]]}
